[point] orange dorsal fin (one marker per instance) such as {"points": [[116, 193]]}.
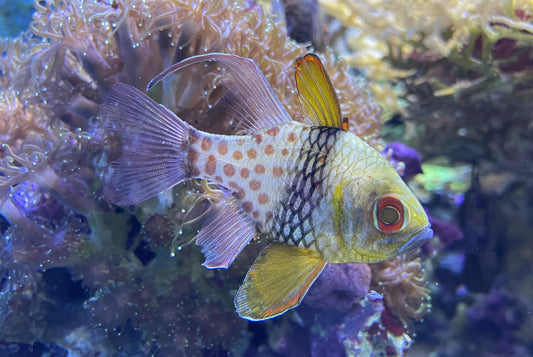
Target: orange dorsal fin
{"points": [[316, 92], [277, 281]]}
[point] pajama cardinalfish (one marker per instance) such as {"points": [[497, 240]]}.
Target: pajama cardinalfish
{"points": [[322, 194]]}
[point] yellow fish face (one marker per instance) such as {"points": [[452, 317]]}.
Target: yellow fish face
{"points": [[376, 216]]}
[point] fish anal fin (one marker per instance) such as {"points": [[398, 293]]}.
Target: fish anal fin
{"points": [[226, 231], [316, 92], [277, 281]]}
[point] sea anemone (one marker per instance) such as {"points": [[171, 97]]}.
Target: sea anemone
{"points": [[402, 282]]}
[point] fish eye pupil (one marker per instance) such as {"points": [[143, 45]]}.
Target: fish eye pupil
{"points": [[389, 215]]}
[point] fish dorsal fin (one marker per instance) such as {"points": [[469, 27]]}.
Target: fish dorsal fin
{"points": [[316, 92], [249, 100], [227, 229], [277, 281]]}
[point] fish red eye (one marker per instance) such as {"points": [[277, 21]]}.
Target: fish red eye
{"points": [[389, 214]]}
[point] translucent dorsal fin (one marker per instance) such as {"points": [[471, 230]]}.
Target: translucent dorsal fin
{"points": [[316, 92], [250, 101]]}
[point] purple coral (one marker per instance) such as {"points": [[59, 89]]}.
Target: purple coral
{"points": [[446, 231], [339, 287], [401, 153]]}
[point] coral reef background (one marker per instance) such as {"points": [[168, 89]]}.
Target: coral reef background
{"points": [[80, 277]]}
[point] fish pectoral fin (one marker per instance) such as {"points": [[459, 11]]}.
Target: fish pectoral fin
{"points": [[277, 281], [227, 229], [316, 93]]}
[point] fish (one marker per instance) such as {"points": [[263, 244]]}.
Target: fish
{"points": [[320, 193]]}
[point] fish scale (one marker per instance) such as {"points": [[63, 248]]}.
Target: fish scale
{"points": [[251, 165], [294, 224]]}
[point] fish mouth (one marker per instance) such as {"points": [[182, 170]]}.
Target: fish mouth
{"points": [[417, 240]]}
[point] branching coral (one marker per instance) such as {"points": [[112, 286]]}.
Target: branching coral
{"points": [[88, 46], [391, 40], [42, 198], [400, 23], [18, 121]]}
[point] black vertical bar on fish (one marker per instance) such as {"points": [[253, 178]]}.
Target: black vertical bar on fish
{"points": [[294, 222]]}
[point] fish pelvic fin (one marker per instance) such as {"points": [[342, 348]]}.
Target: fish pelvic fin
{"points": [[227, 229], [277, 281], [153, 146]]}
